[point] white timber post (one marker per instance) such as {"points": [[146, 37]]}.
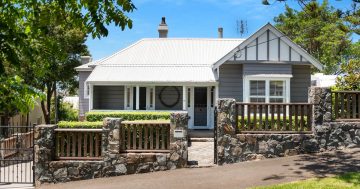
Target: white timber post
{"points": [[137, 97], [91, 96], [184, 98]]}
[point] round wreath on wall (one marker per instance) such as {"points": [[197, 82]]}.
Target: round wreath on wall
{"points": [[167, 104]]}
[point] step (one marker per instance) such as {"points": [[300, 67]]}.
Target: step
{"points": [[202, 139]]}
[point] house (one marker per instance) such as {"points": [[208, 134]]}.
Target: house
{"points": [[190, 74]]}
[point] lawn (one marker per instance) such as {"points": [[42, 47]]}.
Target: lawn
{"points": [[348, 180]]}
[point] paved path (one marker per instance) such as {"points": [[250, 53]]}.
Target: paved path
{"points": [[201, 153], [241, 175]]}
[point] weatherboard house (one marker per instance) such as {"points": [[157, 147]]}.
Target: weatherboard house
{"points": [[190, 74]]}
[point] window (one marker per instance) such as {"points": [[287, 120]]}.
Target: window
{"points": [[257, 91], [128, 97], [212, 97], [267, 90]]}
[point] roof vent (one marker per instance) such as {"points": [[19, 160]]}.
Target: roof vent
{"points": [[220, 32], [163, 28]]}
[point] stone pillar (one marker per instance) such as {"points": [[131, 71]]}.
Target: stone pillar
{"points": [[225, 127], [44, 152], [110, 137], [321, 98], [178, 145]]}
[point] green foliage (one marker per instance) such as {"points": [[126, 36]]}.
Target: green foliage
{"points": [[80, 124], [258, 126], [66, 111], [349, 78], [348, 181], [16, 96], [320, 30], [128, 116], [23, 22]]}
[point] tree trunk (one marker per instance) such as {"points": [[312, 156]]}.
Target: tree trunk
{"points": [[46, 108]]}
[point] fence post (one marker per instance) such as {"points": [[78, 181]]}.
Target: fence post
{"points": [[320, 97], [226, 125], [178, 144], [44, 152], [110, 137]]}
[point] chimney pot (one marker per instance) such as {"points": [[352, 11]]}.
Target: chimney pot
{"points": [[220, 32], [85, 59], [163, 28]]}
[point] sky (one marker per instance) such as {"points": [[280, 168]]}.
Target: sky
{"points": [[191, 19]]}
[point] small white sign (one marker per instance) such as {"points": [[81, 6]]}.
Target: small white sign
{"points": [[178, 133]]}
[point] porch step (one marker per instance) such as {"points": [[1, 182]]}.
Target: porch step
{"points": [[201, 139], [195, 164], [201, 133]]}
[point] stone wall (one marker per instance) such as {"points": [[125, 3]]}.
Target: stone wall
{"points": [[327, 135], [114, 163]]}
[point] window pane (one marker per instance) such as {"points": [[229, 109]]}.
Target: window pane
{"points": [[276, 100], [276, 88], [257, 88], [257, 99]]}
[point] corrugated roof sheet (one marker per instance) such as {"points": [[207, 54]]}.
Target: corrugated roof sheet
{"points": [[152, 74], [164, 60]]}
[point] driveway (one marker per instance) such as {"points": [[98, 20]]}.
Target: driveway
{"points": [[240, 175]]}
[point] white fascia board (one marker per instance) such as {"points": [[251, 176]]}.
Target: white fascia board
{"points": [[110, 83]]}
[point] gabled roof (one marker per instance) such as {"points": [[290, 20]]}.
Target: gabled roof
{"points": [[279, 34]]}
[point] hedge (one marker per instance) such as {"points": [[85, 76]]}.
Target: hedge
{"points": [[128, 116], [257, 125], [80, 124]]}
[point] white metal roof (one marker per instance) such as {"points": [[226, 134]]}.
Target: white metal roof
{"points": [[163, 60], [125, 74]]}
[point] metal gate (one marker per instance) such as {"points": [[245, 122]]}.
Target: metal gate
{"points": [[17, 154], [215, 135]]}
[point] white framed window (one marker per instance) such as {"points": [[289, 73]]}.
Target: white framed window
{"points": [[267, 89], [86, 90], [150, 98]]}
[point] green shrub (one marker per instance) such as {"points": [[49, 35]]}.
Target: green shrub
{"points": [[257, 126], [128, 116], [79, 124]]}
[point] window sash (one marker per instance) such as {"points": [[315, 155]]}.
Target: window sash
{"points": [[267, 95]]}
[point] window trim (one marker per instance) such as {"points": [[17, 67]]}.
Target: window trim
{"points": [[267, 79]]}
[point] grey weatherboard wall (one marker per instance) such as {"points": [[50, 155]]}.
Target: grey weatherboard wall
{"points": [[83, 103], [300, 83], [108, 97], [231, 81], [231, 78], [169, 96], [258, 68]]}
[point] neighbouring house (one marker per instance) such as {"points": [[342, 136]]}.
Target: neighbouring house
{"points": [[321, 80], [192, 73]]}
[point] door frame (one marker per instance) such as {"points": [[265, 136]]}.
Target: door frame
{"points": [[209, 109]]}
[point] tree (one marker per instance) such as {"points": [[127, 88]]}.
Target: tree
{"points": [[349, 77], [22, 20], [16, 97], [58, 52], [320, 30]]}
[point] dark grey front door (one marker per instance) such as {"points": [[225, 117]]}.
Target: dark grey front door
{"points": [[200, 108]]}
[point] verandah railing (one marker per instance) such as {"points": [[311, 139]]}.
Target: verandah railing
{"points": [[274, 117], [145, 136], [346, 105], [78, 144]]}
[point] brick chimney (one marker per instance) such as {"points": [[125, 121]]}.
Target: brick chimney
{"points": [[85, 59], [163, 28], [220, 32]]}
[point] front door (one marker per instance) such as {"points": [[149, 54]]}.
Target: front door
{"points": [[200, 107], [142, 98]]}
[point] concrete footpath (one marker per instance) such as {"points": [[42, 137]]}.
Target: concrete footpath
{"points": [[240, 175]]}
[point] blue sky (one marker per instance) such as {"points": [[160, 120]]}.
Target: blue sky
{"points": [[190, 18]]}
